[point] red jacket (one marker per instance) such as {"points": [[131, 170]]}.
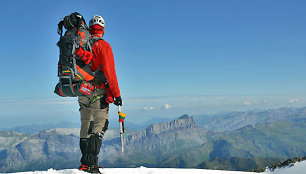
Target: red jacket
{"points": [[103, 55]]}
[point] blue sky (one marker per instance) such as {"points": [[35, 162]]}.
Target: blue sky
{"points": [[172, 57]]}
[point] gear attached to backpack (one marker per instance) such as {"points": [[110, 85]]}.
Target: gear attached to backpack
{"points": [[75, 57]]}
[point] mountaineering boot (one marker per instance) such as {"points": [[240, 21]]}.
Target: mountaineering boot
{"points": [[90, 169], [90, 148], [83, 168]]}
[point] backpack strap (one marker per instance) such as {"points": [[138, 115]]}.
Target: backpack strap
{"points": [[95, 39], [92, 41], [98, 74], [97, 70]]}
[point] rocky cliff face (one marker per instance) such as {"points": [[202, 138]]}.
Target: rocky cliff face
{"points": [[180, 124], [154, 144], [183, 123]]}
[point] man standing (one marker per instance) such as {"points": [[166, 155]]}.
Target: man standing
{"points": [[94, 108]]}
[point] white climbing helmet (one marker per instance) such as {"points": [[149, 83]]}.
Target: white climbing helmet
{"points": [[97, 20]]}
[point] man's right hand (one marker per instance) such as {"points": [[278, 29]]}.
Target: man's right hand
{"points": [[118, 101]]}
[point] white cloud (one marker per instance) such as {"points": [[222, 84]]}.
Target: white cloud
{"points": [[40, 101], [167, 106], [63, 102], [246, 103], [294, 100], [149, 108]]}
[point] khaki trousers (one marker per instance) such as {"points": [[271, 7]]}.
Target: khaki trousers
{"points": [[93, 119]]}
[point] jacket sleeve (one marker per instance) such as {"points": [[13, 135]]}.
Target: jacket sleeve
{"points": [[109, 70]]}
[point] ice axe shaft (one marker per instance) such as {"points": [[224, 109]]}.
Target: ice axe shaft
{"points": [[121, 124], [121, 138]]}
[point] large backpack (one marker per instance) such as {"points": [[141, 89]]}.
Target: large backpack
{"points": [[72, 71]]}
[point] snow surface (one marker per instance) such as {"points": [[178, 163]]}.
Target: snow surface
{"points": [[298, 168], [141, 170]]}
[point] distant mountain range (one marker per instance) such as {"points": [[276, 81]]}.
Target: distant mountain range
{"points": [[181, 143], [241, 141], [31, 129], [236, 120], [215, 122]]}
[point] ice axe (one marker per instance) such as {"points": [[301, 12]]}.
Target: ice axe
{"points": [[121, 124]]}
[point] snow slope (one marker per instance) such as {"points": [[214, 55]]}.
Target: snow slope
{"points": [[298, 168]]}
